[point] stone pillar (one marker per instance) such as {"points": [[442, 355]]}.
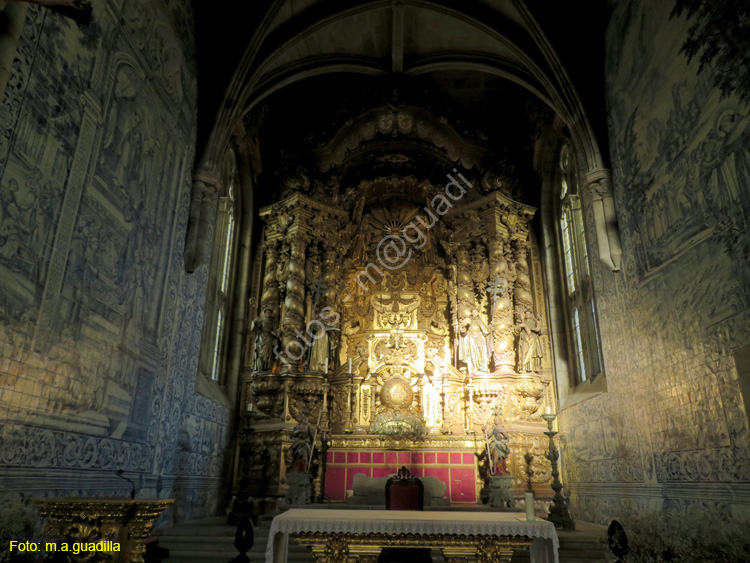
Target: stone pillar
{"points": [[202, 215], [598, 184]]}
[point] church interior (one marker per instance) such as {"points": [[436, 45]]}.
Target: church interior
{"points": [[262, 255]]}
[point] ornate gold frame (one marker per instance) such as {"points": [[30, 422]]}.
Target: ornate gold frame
{"points": [[93, 520], [456, 548]]}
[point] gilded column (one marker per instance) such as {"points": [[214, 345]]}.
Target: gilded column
{"points": [[331, 298], [293, 321], [269, 299], [465, 285], [503, 351], [522, 291], [461, 287]]}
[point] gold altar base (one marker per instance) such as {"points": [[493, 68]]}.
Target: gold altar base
{"points": [[365, 548], [92, 520]]}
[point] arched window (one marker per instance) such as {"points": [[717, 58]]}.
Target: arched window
{"points": [[219, 298], [579, 295]]}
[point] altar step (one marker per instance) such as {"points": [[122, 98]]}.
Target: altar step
{"points": [[584, 544], [211, 540]]}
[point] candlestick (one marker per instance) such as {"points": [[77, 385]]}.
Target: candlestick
{"points": [[348, 423], [559, 514], [529, 502]]}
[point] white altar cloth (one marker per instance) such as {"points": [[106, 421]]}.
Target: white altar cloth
{"points": [[298, 520]]}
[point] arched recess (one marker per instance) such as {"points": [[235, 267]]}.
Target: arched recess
{"points": [[247, 166], [570, 389], [410, 122], [518, 50]]}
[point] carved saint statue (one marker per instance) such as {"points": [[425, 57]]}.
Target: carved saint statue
{"points": [[266, 338], [473, 349], [320, 349], [530, 350], [497, 446], [301, 448], [297, 477]]}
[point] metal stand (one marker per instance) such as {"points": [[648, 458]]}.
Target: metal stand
{"points": [[244, 538], [558, 512], [325, 443]]}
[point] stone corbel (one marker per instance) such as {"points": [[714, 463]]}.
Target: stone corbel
{"points": [[202, 213], [599, 186]]}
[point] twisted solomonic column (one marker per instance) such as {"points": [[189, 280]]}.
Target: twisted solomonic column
{"points": [[465, 285], [503, 351], [293, 321], [269, 299], [332, 298]]}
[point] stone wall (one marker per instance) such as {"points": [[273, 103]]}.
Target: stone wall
{"points": [[671, 428], [99, 324]]}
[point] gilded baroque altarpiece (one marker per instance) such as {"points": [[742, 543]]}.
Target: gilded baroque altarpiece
{"points": [[400, 315]]}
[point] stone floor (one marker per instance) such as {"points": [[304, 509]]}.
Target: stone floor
{"points": [[211, 540]]}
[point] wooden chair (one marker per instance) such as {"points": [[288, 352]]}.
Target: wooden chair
{"points": [[404, 492]]}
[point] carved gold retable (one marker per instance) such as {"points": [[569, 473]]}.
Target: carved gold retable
{"points": [[354, 536], [448, 345]]}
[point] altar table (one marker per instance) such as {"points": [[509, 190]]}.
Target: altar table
{"points": [[346, 536]]}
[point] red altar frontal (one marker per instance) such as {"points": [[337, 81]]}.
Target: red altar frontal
{"points": [[457, 469]]}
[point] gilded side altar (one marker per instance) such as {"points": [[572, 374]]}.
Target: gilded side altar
{"points": [[118, 526]]}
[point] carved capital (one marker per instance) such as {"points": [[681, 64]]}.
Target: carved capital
{"points": [[598, 183], [208, 180]]}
